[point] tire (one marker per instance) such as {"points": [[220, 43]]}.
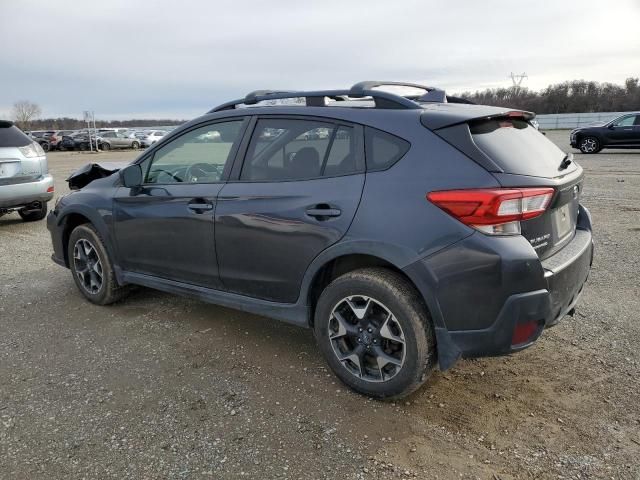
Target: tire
{"points": [[135, 145], [589, 145], [84, 147], [105, 147], [374, 293], [33, 215], [45, 146], [88, 261]]}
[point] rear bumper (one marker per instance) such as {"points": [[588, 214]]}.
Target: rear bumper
{"points": [[564, 277], [482, 289], [21, 194]]}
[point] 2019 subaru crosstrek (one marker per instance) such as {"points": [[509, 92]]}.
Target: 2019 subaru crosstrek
{"points": [[25, 183], [419, 230]]}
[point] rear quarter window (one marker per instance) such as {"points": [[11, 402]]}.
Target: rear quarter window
{"points": [[383, 149], [12, 136]]}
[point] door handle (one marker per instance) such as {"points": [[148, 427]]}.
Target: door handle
{"points": [[321, 211], [199, 207]]}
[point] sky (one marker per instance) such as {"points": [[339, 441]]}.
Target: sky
{"points": [[128, 59]]}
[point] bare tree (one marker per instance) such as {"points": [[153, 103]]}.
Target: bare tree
{"points": [[24, 112]]}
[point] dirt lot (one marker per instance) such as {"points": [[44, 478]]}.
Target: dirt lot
{"points": [[165, 387]]}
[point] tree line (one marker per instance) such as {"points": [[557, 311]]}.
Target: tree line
{"points": [[576, 96]]}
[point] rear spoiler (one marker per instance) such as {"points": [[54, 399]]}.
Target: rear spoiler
{"points": [[443, 115]]}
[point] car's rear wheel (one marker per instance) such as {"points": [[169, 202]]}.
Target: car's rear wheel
{"points": [[590, 145], [45, 146], [32, 214], [135, 145], [92, 268], [376, 333]]}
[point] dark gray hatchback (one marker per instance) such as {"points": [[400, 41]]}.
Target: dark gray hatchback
{"points": [[406, 230]]}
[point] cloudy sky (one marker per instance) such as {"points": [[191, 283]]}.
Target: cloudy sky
{"points": [[177, 59]]}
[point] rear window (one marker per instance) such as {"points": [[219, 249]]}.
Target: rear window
{"points": [[518, 148], [13, 137]]}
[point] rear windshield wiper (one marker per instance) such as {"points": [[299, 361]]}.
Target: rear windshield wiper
{"points": [[566, 161]]}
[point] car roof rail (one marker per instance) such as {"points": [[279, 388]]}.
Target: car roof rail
{"points": [[382, 99]]}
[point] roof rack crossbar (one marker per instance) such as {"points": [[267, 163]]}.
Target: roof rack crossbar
{"points": [[381, 98]]}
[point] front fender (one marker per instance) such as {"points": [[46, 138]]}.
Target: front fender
{"points": [[100, 219]]}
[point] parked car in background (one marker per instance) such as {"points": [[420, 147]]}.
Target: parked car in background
{"points": [[25, 183], [55, 139], [621, 132], [80, 140], [152, 136], [44, 142], [112, 140], [429, 230]]}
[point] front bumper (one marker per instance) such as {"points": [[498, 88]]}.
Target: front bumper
{"points": [[56, 231], [21, 194]]}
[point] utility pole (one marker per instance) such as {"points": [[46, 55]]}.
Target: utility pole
{"points": [[517, 81]]}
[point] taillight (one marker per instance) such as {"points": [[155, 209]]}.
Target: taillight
{"points": [[494, 211]]}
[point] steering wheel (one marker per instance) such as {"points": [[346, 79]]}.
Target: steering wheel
{"points": [[172, 175], [198, 170]]}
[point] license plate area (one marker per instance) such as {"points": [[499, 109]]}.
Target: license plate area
{"points": [[563, 221], [10, 169]]}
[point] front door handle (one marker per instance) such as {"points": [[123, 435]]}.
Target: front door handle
{"points": [[323, 212], [199, 207]]}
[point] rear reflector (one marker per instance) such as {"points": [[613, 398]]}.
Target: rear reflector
{"points": [[523, 332], [50, 189], [494, 211]]}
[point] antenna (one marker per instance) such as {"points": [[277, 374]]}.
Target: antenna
{"points": [[517, 81]]}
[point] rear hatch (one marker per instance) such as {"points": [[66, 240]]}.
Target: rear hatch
{"points": [[518, 155], [20, 159]]}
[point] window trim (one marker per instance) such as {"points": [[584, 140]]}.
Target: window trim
{"points": [[244, 121], [241, 157]]}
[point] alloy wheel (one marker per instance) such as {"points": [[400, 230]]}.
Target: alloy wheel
{"points": [[589, 145], [87, 266], [367, 339]]}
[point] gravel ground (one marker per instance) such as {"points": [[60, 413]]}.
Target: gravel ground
{"points": [[165, 387]]}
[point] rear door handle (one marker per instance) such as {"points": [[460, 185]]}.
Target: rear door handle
{"points": [[323, 212], [199, 207]]}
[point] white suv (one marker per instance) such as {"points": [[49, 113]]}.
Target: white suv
{"points": [[25, 183]]}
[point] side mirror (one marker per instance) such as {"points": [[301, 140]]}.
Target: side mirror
{"points": [[611, 126], [131, 176]]}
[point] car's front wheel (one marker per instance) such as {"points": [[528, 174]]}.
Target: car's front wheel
{"points": [[589, 145], [92, 268], [135, 145], [105, 147], [376, 333]]}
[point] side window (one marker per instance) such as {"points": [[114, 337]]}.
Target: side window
{"points": [[342, 156], [626, 121], [288, 149], [382, 149], [198, 156]]}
